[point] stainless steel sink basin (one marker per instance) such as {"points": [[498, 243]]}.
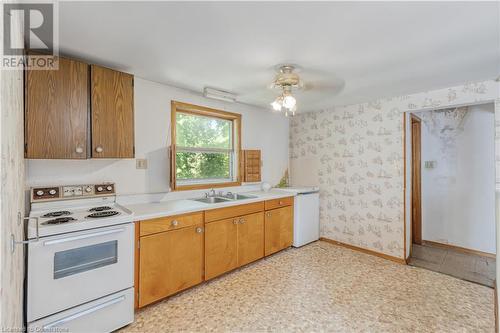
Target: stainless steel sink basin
{"points": [[236, 196], [212, 200], [226, 198]]}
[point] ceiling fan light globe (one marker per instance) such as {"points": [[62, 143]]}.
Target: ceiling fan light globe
{"points": [[289, 102], [276, 106]]}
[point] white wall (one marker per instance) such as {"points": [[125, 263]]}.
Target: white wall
{"points": [[261, 129], [458, 195]]}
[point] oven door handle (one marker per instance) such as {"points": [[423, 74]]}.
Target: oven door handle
{"points": [[77, 315], [75, 238]]}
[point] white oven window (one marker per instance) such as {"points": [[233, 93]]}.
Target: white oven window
{"points": [[86, 258]]}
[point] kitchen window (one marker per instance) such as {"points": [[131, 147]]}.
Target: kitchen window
{"points": [[205, 147]]}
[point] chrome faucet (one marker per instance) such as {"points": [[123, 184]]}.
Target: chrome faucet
{"points": [[210, 193]]}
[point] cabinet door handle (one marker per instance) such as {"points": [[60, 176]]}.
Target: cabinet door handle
{"points": [[174, 223], [199, 230], [99, 149], [268, 214], [79, 150], [242, 221], [235, 221]]}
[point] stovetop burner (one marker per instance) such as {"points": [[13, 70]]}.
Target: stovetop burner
{"points": [[57, 214], [59, 220], [106, 213], [99, 209]]}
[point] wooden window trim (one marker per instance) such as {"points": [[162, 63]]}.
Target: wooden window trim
{"points": [[204, 111]]}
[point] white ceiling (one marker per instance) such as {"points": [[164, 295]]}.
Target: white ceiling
{"points": [[379, 49]]}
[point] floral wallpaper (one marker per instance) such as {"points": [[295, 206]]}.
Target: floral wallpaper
{"points": [[359, 154]]}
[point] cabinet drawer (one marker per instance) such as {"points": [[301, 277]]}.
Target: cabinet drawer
{"points": [[161, 224], [225, 213], [277, 203]]}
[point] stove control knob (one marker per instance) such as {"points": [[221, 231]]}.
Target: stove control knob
{"points": [[88, 189], [109, 188], [99, 189], [52, 192], [39, 193]]}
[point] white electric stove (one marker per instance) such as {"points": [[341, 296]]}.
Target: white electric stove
{"points": [[80, 260]]}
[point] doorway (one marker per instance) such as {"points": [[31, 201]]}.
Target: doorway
{"points": [[452, 213]]}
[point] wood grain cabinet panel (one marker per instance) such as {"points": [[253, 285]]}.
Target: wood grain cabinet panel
{"points": [[250, 238], [56, 111], [277, 203], [168, 223], [221, 244], [278, 229], [240, 210], [112, 97], [170, 261]]}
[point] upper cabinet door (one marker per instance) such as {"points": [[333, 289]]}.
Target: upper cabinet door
{"points": [[56, 112], [112, 95]]}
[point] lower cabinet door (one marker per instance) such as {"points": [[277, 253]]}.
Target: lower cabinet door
{"points": [[221, 244], [170, 262], [278, 229], [250, 238]]}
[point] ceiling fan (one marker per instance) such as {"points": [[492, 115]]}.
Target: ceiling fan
{"points": [[288, 81]]}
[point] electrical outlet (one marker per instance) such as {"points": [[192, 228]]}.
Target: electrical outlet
{"points": [[141, 163]]}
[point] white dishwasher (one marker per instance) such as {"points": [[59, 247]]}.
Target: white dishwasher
{"points": [[306, 214]]}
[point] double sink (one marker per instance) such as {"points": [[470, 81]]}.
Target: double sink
{"points": [[224, 198]]}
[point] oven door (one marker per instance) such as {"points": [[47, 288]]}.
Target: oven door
{"points": [[67, 270]]}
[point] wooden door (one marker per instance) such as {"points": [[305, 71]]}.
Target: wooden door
{"points": [[170, 262], [250, 238], [56, 111], [112, 96], [221, 243], [278, 229], [416, 193]]}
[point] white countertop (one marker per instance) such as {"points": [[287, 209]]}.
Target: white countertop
{"points": [[151, 210]]}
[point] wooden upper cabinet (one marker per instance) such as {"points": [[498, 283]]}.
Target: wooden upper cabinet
{"points": [[56, 111], [112, 96]]}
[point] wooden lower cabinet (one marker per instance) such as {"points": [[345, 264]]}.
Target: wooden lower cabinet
{"points": [[178, 252], [278, 229], [170, 261], [221, 246], [233, 242], [250, 238]]}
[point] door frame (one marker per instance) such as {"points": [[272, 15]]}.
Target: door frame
{"points": [[416, 177]]}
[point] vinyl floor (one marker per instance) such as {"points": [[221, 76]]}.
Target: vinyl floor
{"points": [[323, 287]]}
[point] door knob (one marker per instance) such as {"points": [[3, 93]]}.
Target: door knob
{"points": [[199, 230], [175, 223], [99, 149], [268, 214], [79, 150], [235, 222]]}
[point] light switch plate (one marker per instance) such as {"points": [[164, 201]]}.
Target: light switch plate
{"points": [[141, 163], [430, 164]]}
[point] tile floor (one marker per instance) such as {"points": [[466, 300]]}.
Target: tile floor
{"points": [[461, 265], [323, 287]]}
